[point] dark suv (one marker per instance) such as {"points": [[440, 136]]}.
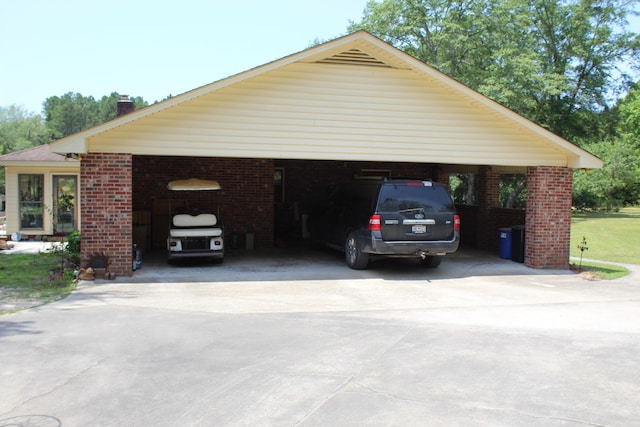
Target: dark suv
{"points": [[388, 218]]}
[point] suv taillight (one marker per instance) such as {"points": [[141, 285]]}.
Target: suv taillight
{"points": [[374, 223], [456, 222]]}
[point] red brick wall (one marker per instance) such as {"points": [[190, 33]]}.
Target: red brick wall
{"points": [[548, 221], [106, 201], [245, 201], [488, 189]]}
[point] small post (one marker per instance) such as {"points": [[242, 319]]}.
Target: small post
{"points": [[583, 247]]}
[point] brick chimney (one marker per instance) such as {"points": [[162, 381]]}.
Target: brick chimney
{"points": [[125, 106]]}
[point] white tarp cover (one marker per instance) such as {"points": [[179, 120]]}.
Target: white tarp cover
{"points": [[193, 184], [202, 220]]}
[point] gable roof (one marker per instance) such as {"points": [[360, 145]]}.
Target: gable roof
{"points": [[353, 98], [40, 155]]}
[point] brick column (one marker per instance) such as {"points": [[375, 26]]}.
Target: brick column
{"points": [[106, 206], [438, 175], [548, 217], [488, 189]]}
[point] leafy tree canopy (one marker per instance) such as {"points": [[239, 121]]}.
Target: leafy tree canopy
{"points": [[72, 112], [64, 115], [630, 114], [20, 129], [560, 63], [617, 183], [547, 60]]}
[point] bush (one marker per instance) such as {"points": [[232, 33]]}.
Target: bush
{"points": [[615, 185], [73, 247]]}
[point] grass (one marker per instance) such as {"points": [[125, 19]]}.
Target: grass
{"points": [[610, 237], [604, 271], [613, 237], [34, 276]]}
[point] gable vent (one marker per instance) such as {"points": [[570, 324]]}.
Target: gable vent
{"points": [[354, 57]]}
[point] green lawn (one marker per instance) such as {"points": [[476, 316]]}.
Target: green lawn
{"points": [[603, 271], [34, 276], [610, 236]]}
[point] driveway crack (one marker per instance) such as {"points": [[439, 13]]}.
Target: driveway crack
{"points": [[57, 386], [350, 379]]}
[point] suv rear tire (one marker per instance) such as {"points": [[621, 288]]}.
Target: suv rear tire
{"points": [[355, 258]]}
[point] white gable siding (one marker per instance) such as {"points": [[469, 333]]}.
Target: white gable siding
{"points": [[343, 112]]}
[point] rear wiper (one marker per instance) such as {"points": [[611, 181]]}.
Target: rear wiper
{"points": [[411, 210]]}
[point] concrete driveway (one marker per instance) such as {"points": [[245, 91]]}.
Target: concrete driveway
{"points": [[299, 339]]}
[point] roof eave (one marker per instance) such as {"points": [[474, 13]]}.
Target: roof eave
{"points": [[576, 157], [585, 161], [78, 143], [71, 164]]}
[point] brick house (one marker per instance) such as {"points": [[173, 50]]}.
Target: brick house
{"points": [[275, 135]]}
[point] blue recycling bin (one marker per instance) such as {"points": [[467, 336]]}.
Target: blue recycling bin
{"points": [[505, 243]]}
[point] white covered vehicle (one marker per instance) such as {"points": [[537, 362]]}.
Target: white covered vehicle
{"points": [[194, 232]]}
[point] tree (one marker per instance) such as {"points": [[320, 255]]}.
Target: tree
{"points": [[19, 129], [72, 112], [616, 184], [559, 63], [547, 60], [513, 191], [447, 35], [630, 114], [108, 106], [582, 45], [463, 188]]}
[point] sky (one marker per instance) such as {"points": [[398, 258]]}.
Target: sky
{"points": [[151, 49]]}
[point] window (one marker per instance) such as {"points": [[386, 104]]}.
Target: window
{"points": [[31, 188], [64, 204], [431, 199]]}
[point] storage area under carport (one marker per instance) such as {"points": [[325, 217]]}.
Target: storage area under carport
{"points": [[264, 203]]}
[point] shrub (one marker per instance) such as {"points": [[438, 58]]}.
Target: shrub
{"points": [[73, 246]]}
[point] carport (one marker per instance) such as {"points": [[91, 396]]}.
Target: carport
{"points": [[274, 135]]}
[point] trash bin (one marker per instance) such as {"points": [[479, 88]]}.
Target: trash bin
{"points": [[505, 243], [517, 243], [137, 258]]}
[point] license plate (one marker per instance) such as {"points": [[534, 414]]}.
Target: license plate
{"points": [[419, 229]]}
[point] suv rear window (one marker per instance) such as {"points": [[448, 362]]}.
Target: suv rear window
{"points": [[398, 197]]}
